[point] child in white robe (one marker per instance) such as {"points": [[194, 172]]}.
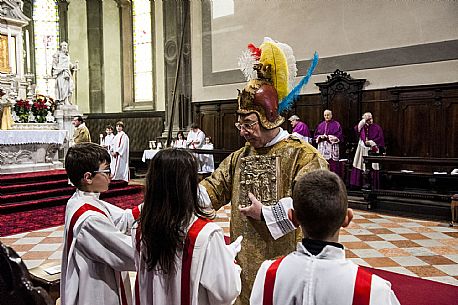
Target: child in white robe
{"points": [[317, 272], [208, 163], [181, 255], [108, 144], [120, 154], [180, 141], [97, 243]]}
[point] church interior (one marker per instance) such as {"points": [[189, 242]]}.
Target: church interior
{"points": [[160, 66]]}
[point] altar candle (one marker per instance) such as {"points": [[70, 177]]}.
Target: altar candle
{"points": [[27, 48], [101, 139]]}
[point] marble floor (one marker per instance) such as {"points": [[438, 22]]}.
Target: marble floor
{"points": [[425, 249]]}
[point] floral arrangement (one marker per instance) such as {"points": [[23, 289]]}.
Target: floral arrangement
{"points": [[36, 110]]}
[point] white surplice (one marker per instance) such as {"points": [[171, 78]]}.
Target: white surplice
{"points": [[99, 251], [327, 278], [120, 167], [214, 277], [195, 140], [108, 144], [179, 144], [208, 163]]}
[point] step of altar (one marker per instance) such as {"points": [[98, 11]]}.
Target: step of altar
{"points": [[50, 188]]}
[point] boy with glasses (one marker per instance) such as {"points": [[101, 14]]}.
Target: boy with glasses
{"points": [[97, 246]]}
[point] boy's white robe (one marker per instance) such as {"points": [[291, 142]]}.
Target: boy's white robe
{"points": [[120, 170], [215, 278], [327, 278], [208, 163], [195, 140], [99, 250], [108, 142]]}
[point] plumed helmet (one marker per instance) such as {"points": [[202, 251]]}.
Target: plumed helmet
{"points": [[271, 72]]}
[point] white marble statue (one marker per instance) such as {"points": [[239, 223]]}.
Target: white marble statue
{"points": [[62, 70]]}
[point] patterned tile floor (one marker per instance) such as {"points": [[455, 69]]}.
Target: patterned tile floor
{"points": [[425, 249]]}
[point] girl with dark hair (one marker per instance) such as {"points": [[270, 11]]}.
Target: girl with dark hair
{"points": [[180, 141], [181, 256]]}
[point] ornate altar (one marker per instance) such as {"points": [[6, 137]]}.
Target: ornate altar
{"points": [[25, 145], [30, 150]]}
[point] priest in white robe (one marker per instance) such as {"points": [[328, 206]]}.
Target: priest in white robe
{"points": [[195, 140]]}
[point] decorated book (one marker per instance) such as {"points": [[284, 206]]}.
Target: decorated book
{"points": [[258, 175]]}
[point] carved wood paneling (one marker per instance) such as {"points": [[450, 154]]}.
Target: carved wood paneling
{"points": [[141, 127], [418, 121]]}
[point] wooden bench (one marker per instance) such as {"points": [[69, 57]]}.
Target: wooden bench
{"points": [[427, 180]]}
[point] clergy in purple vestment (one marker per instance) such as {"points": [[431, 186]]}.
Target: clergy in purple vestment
{"points": [[370, 139], [328, 136], [300, 129]]}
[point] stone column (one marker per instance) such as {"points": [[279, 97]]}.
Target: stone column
{"points": [[62, 8], [176, 14], [95, 55], [28, 11], [127, 56]]}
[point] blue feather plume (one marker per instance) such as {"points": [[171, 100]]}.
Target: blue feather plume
{"points": [[288, 101]]}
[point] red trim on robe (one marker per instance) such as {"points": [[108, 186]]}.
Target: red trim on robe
{"points": [[188, 250], [362, 292], [136, 212], [269, 283], [137, 281], [83, 209]]}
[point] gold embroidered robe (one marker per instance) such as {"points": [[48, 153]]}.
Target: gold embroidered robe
{"points": [[296, 158]]}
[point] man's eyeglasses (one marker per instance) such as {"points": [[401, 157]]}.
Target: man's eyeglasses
{"points": [[105, 171], [245, 126]]}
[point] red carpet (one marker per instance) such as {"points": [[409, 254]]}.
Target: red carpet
{"points": [[31, 201], [30, 220], [416, 291]]}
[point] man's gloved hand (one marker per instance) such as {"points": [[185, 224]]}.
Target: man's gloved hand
{"points": [[254, 210]]}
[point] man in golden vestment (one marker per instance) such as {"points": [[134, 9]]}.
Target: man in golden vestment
{"points": [[259, 123]]}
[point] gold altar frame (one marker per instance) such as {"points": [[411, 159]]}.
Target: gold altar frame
{"points": [[4, 57]]}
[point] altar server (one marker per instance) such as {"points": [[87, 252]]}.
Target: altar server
{"points": [[208, 162], [195, 140], [317, 272], [181, 256], [180, 141], [97, 246], [108, 142], [120, 153]]}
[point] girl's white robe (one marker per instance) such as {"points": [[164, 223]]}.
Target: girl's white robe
{"points": [[215, 278]]}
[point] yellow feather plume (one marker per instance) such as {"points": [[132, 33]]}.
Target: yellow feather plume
{"points": [[273, 55]]}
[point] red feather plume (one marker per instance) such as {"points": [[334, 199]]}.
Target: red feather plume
{"points": [[255, 51]]}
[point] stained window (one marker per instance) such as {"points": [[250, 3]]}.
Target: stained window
{"points": [[143, 62], [46, 31]]}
